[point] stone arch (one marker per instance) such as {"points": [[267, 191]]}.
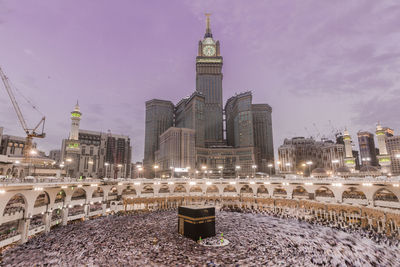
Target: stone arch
{"points": [[42, 199], [1, 171], [195, 189], [279, 192], [230, 189], [384, 194], [16, 203], [129, 190], [98, 192], [262, 190], [78, 194], [212, 189], [147, 189], [56, 214], [8, 172], [300, 192], [324, 191], [21, 174], [60, 197], [246, 189], [113, 192], [180, 189], [354, 193], [164, 189]]}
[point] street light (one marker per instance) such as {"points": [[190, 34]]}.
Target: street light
{"points": [[188, 171], [309, 163], [106, 164], [288, 164], [237, 168], [204, 168], [254, 167], [334, 162], [68, 160], [270, 169], [155, 167], [221, 170]]}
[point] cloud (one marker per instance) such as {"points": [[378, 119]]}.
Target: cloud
{"points": [[378, 109]]}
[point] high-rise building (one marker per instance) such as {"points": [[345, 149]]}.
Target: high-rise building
{"points": [[383, 156], [248, 147], [159, 117], [209, 83], [55, 155], [393, 148], [189, 113], [239, 121], [367, 148], [263, 139], [302, 155], [177, 151]]}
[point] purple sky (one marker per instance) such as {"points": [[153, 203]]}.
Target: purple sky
{"points": [[313, 61]]}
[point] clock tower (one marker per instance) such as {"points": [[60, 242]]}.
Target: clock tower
{"points": [[209, 83]]}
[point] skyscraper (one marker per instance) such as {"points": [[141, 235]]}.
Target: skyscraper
{"points": [[367, 148], [239, 120], [209, 83], [383, 158], [159, 117], [263, 139], [248, 146]]}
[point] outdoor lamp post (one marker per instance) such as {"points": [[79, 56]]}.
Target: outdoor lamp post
{"points": [[106, 164], [237, 168], [68, 160], [155, 167], [270, 169], [204, 168], [288, 164], [254, 167], [309, 163], [334, 162], [221, 170]]}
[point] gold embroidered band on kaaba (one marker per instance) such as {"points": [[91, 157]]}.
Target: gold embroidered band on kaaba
{"points": [[196, 220]]}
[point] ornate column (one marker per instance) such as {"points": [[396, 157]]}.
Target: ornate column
{"points": [[64, 215], [47, 221], [23, 229]]}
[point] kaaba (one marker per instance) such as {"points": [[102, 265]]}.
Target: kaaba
{"points": [[196, 221]]}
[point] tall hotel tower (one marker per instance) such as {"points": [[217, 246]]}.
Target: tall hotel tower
{"points": [[209, 83]]}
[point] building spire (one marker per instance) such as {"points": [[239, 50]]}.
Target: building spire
{"points": [[208, 28]]}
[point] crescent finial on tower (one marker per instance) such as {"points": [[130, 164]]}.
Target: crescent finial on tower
{"points": [[208, 28]]}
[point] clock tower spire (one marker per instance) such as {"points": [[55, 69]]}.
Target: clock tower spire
{"points": [[208, 28]]}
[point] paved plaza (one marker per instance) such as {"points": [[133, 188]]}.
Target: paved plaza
{"points": [[151, 239]]}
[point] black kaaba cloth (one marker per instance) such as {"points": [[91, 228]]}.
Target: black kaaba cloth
{"points": [[196, 221]]}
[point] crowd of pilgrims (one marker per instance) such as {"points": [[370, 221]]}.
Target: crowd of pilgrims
{"points": [[256, 238]]}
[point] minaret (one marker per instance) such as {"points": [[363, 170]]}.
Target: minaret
{"points": [[383, 157], [349, 160], [75, 120]]}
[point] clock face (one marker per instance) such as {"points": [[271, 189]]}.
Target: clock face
{"points": [[209, 50]]}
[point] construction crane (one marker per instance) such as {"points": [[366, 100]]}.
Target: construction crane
{"points": [[30, 133]]}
